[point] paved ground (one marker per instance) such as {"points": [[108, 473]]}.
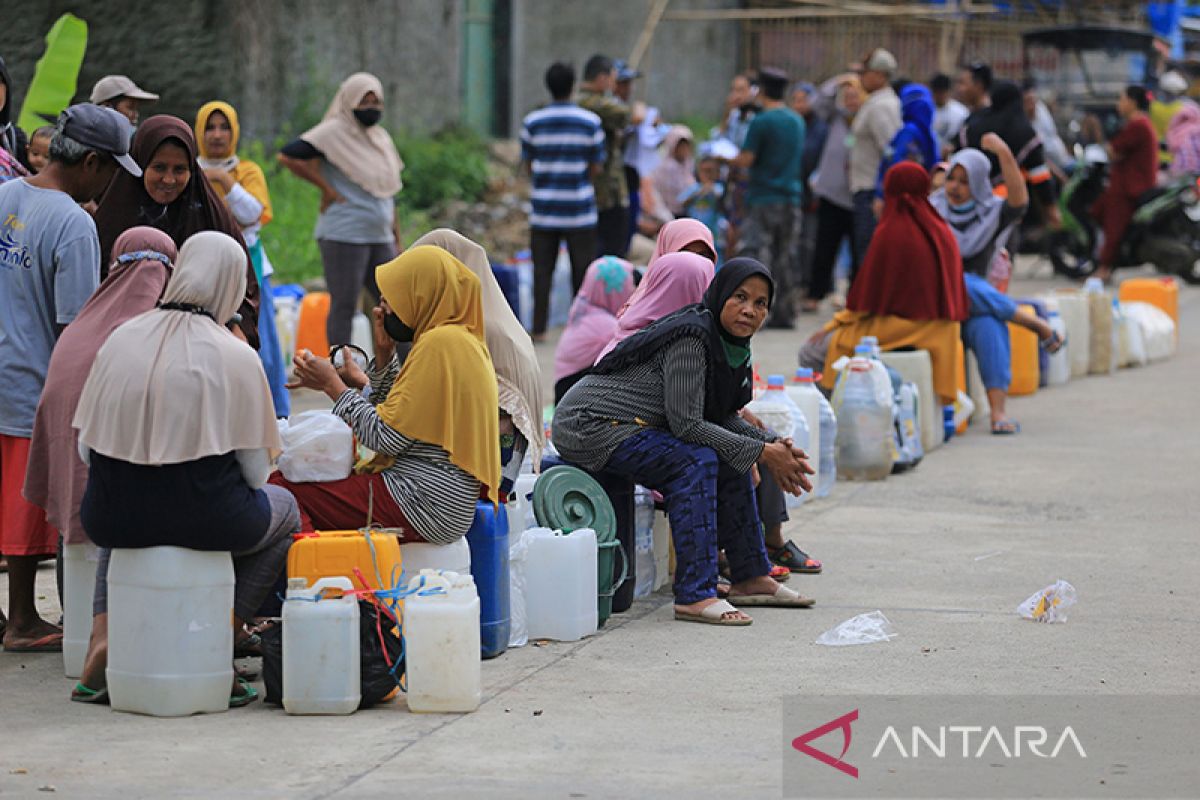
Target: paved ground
{"points": [[1097, 490]]}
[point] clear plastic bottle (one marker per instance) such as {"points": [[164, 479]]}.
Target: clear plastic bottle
{"points": [[864, 422], [643, 527], [781, 414], [827, 471]]}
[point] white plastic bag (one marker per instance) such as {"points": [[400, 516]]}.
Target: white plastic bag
{"points": [[518, 632], [863, 629], [1050, 604], [317, 447], [1158, 329]]}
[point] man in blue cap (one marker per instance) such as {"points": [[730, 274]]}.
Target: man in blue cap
{"points": [[49, 267]]}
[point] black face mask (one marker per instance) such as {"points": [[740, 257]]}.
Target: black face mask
{"points": [[397, 329], [368, 116]]}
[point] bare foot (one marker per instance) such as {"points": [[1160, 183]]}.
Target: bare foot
{"points": [[696, 608]]}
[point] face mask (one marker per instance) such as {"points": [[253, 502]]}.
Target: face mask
{"points": [[368, 116], [397, 329], [965, 208]]}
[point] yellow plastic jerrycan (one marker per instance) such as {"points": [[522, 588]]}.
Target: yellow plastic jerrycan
{"points": [[310, 328], [1162, 292], [329, 554], [1024, 345]]}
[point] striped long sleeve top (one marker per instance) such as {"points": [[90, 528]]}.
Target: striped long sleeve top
{"points": [[666, 393], [437, 497]]}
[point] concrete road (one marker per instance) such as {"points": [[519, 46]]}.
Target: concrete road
{"points": [[1098, 490]]}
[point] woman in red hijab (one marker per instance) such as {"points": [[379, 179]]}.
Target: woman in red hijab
{"points": [[909, 291]]}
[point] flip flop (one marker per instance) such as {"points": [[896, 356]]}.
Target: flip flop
{"points": [[712, 615], [245, 697], [50, 643], [95, 697], [783, 598], [1006, 427]]}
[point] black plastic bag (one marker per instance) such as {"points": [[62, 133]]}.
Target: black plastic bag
{"points": [[377, 636]]}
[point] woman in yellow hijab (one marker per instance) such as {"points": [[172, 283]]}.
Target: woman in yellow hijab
{"points": [[434, 423], [243, 187]]}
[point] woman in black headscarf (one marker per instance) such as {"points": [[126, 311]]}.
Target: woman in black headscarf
{"points": [[662, 409], [1006, 118]]}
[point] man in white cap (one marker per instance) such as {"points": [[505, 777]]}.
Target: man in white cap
{"points": [[120, 93], [874, 126], [1171, 95], [49, 267]]}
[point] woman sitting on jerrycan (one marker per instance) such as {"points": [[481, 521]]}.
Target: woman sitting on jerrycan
{"points": [[433, 423]]}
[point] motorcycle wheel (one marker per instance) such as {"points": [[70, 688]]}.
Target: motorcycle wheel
{"points": [[1066, 259], [1172, 258]]}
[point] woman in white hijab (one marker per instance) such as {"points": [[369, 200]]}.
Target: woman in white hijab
{"points": [[518, 375], [177, 424]]}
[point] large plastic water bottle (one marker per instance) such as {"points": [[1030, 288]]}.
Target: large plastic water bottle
{"points": [[804, 393], [864, 421], [321, 672], [827, 471], [441, 643], [781, 414], [1059, 370], [643, 527]]}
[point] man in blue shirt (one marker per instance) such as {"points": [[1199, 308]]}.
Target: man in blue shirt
{"points": [[773, 152], [562, 146]]}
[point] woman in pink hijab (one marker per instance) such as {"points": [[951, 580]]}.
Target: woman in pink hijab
{"points": [[678, 236], [672, 282], [606, 288]]}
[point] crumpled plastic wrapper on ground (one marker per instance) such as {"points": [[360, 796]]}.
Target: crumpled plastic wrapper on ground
{"points": [[863, 629], [1050, 604]]}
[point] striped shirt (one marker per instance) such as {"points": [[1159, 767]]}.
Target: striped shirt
{"points": [[560, 142], [437, 497], [665, 392]]}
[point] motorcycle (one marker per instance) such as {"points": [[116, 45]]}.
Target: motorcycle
{"points": [[1164, 231]]}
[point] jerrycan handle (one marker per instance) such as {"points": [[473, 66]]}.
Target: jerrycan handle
{"points": [[429, 579], [333, 582]]}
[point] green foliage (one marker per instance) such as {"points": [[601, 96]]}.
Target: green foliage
{"points": [[452, 165]]}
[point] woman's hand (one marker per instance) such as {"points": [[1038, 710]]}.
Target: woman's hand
{"points": [[316, 373], [330, 197], [753, 419], [221, 176], [385, 346], [992, 143], [789, 467], [352, 374]]}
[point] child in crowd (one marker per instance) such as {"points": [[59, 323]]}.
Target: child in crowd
{"points": [[38, 152], [703, 201]]}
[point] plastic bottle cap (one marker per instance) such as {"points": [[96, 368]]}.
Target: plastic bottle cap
{"points": [[862, 350], [1053, 313], [775, 381], [803, 375], [1094, 285]]}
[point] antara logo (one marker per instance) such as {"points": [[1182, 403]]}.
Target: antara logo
{"points": [[1024, 739]]}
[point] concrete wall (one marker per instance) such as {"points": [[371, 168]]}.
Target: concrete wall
{"points": [[687, 68]]}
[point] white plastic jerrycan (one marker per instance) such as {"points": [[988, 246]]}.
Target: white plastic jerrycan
{"points": [[418, 556], [561, 584], [170, 631], [441, 643], [320, 648], [79, 585], [1059, 370]]}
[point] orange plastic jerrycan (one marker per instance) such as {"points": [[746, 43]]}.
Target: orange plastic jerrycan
{"points": [[960, 378], [1024, 344], [310, 328], [1161, 292], [329, 554]]}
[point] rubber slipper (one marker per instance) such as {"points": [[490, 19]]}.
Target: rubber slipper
{"points": [[794, 559], [723, 585], [95, 697], [50, 643], [780, 573], [1006, 427], [712, 615], [783, 598], [245, 697]]}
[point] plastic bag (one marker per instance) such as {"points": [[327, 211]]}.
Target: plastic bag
{"points": [[1050, 604], [863, 629], [1158, 329], [317, 446], [518, 632]]}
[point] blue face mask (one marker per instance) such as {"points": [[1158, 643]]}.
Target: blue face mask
{"points": [[965, 208]]}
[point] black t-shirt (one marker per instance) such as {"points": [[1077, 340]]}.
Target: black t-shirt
{"points": [[298, 148]]}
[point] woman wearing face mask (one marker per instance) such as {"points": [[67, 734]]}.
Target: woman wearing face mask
{"points": [[353, 161], [243, 187], [838, 101], [662, 408], [432, 424], [172, 196]]}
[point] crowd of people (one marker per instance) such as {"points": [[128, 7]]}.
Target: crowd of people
{"points": [[146, 378]]}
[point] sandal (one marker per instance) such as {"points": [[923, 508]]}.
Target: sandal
{"points": [[794, 559], [779, 573], [713, 614], [723, 585], [247, 695], [95, 697], [1005, 427], [783, 598], [50, 643]]}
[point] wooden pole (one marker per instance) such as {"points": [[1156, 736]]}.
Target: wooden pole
{"points": [[647, 34]]}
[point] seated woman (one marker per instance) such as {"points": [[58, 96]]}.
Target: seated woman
{"points": [[606, 288], [173, 196], [662, 409], [981, 222], [909, 290], [435, 426], [243, 186], [518, 373], [177, 424]]}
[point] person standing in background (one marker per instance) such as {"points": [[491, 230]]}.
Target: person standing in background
{"points": [[741, 105], [974, 86], [122, 95], [562, 147], [642, 138], [949, 114], [612, 193], [353, 161], [1172, 88], [1134, 156], [874, 126], [804, 96]]}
